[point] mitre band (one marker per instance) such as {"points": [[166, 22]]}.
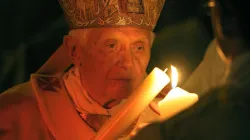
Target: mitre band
{"points": [[109, 13]]}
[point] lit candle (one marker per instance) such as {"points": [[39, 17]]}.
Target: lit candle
{"points": [[134, 106], [176, 100]]}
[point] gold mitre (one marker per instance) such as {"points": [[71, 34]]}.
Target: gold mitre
{"points": [[110, 13]]}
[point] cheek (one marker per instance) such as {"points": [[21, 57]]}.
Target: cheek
{"points": [[142, 60], [97, 64], [90, 64], [141, 63]]}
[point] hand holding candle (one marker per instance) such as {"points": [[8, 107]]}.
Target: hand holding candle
{"points": [[176, 100], [134, 106]]}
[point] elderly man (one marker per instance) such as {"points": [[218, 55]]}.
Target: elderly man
{"points": [[222, 113], [109, 44]]}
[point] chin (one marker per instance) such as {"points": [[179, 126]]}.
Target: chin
{"points": [[121, 94]]}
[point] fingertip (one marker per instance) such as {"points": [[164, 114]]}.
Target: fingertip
{"points": [[154, 107]]}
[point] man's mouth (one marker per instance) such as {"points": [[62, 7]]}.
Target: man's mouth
{"points": [[120, 82]]}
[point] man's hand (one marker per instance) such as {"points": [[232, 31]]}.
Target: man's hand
{"points": [[153, 105], [137, 129], [149, 132]]}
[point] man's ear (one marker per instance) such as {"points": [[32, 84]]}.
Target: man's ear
{"points": [[73, 48]]}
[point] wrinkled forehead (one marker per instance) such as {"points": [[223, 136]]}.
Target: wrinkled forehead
{"points": [[124, 33]]}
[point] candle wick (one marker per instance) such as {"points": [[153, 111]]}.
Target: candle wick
{"points": [[165, 70]]}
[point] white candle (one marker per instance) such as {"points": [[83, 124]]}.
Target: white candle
{"points": [[176, 100], [136, 103]]}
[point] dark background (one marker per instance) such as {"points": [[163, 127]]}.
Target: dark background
{"points": [[31, 30]]}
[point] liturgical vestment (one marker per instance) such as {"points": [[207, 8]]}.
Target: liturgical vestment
{"points": [[41, 109]]}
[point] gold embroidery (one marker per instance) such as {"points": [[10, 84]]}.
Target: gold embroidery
{"points": [[101, 13]]}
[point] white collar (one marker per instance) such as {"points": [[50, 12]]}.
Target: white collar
{"points": [[83, 103]]}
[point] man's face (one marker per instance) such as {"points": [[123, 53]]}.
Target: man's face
{"points": [[113, 62]]}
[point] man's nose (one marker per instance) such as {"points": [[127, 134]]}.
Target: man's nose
{"points": [[125, 58]]}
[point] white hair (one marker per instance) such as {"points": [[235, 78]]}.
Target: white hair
{"points": [[80, 34]]}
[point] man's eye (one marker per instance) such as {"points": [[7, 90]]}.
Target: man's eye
{"points": [[111, 46], [140, 48]]}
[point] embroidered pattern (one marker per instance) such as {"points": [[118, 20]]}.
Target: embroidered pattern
{"points": [[98, 13], [48, 83]]}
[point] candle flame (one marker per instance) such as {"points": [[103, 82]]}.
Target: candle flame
{"points": [[174, 76]]}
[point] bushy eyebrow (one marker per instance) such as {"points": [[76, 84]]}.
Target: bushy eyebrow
{"points": [[115, 35], [139, 41], [106, 41]]}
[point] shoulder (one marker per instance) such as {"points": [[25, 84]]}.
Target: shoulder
{"points": [[24, 94], [15, 101], [211, 49], [22, 98], [16, 95]]}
